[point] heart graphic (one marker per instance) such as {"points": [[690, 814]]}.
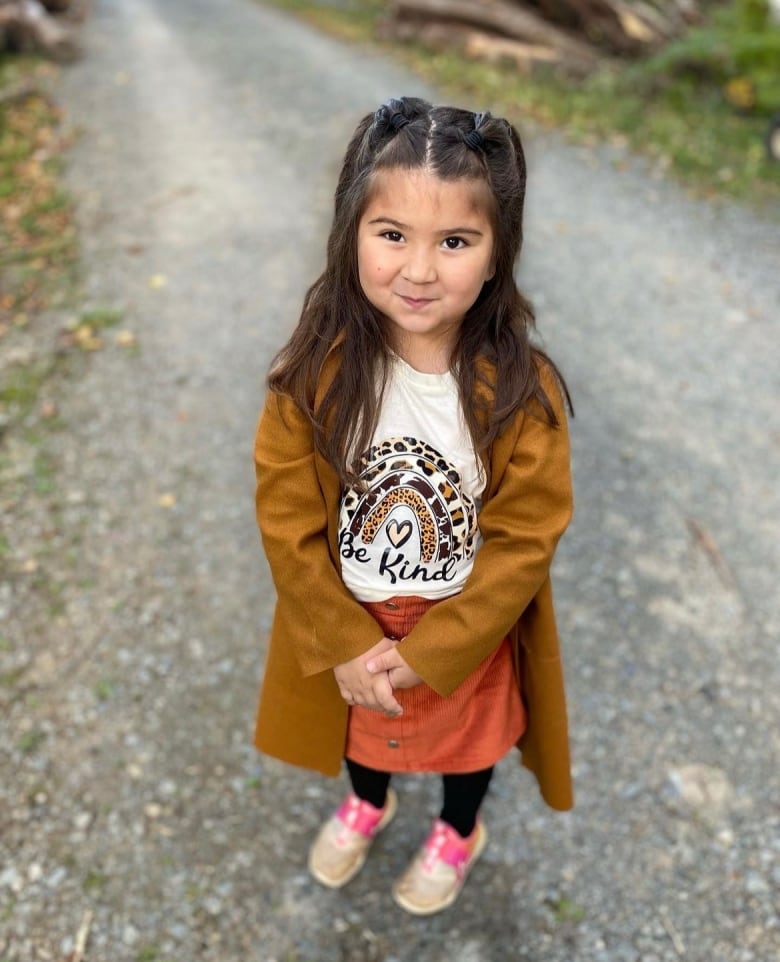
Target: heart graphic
{"points": [[399, 534]]}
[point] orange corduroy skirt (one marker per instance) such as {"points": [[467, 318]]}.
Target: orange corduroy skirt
{"points": [[466, 732]]}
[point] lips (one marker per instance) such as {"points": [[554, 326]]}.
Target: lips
{"points": [[416, 302]]}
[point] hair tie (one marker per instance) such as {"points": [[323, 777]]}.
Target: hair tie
{"points": [[474, 140], [397, 121], [391, 115]]}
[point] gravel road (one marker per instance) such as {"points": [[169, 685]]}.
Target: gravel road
{"points": [[136, 818]]}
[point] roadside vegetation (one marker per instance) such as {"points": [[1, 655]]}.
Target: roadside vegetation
{"points": [[45, 336], [700, 108], [37, 235]]}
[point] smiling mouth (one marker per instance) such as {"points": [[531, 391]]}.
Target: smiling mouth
{"points": [[416, 302]]}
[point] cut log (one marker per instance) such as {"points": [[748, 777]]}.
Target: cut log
{"points": [[500, 18], [26, 26], [524, 56], [622, 27], [477, 45]]}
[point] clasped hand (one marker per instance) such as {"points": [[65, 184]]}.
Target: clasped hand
{"points": [[369, 679]]}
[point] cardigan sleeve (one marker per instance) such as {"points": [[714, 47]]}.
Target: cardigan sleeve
{"points": [[528, 510], [325, 623]]}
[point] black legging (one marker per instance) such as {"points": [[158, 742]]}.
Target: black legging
{"points": [[463, 794]]}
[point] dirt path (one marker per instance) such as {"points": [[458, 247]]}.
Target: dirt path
{"points": [[133, 805]]}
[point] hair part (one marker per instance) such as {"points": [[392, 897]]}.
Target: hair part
{"points": [[452, 144]]}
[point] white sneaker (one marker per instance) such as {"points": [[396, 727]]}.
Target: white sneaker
{"points": [[343, 842], [437, 874]]}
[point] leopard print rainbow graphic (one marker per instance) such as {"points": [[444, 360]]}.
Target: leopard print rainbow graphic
{"points": [[411, 490]]}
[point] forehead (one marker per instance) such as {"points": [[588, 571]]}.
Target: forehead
{"points": [[422, 193]]}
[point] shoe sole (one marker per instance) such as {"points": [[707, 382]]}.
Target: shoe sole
{"points": [[479, 847], [384, 821]]}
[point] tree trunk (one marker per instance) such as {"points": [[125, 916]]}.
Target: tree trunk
{"points": [[26, 26]]}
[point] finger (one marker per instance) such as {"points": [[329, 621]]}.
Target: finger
{"points": [[402, 678], [384, 662], [386, 699]]}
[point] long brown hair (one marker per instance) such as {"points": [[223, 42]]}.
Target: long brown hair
{"points": [[337, 317]]}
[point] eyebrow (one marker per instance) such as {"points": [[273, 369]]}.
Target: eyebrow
{"points": [[444, 233]]}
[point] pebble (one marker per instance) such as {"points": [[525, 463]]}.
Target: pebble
{"points": [[11, 878], [756, 884], [56, 877], [212, 905], [698, 786], [167, 788], [83, 820]]}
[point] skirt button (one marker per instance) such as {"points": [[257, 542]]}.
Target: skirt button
{"points": [[391, 605], [392, 743]]}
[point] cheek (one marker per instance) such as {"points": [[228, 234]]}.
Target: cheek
{"points": [[373, 270]]}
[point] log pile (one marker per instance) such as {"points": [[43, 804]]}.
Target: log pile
{"points": [[46, 27], [575, 35]]}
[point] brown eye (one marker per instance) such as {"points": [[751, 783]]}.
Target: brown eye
{"points": [[454, 243]]}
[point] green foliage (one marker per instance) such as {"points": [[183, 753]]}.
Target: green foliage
{"points": [[567, 911], [739, 43], [101, 318]]}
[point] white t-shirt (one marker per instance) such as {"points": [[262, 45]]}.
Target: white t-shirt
{"points": [[414, 530]]}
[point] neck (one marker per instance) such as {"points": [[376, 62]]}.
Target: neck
{"points": [[426, 357]]}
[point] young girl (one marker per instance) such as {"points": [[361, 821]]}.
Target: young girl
{"points": [[412, 483]]}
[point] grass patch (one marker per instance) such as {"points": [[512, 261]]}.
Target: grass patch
{"points": [[43, 473], [101, 318], [104, 689], [20, 387], [9, 679], [677, 108], [31, 741], [567, 911], [94, 882], [349, 21], [37, 234], [148, 953]]}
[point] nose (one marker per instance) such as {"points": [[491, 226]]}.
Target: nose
{"points": [[420, 266]]}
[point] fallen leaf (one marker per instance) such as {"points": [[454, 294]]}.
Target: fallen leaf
{"points": [[86, 338], [125, 339], [167, 500], [157, 281]]}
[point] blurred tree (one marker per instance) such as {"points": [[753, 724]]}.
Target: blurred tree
{"points": [[40, 26]]}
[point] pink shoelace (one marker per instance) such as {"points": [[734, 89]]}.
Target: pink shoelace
{"points": [[358, 816], [445, 845]]}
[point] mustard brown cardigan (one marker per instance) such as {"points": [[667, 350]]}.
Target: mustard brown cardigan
{"points": [[527, 505]]}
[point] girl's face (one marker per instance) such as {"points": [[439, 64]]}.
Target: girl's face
{"points": [[425, 248]]}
